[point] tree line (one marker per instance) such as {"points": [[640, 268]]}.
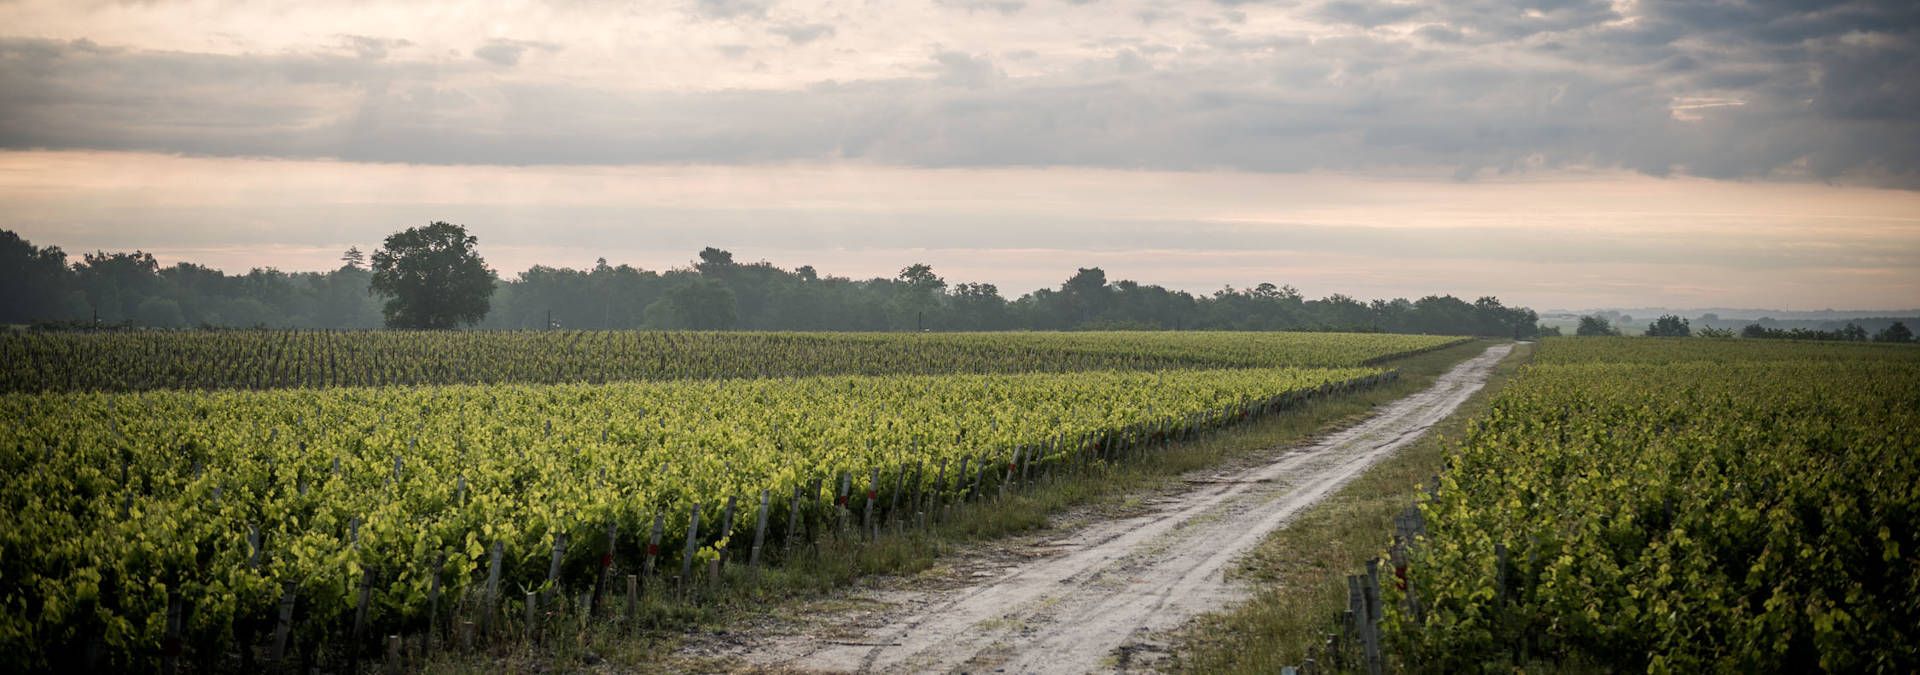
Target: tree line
{"points": [[1670, 325], [433, 277]]}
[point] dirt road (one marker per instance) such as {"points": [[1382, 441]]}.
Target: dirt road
{"points": [[1092, 598]]}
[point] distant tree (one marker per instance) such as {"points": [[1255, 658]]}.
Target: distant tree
{"points": [[159, 312], [1848, 333], [1086, 295], [343, 298], [1267, 291], [1897, 332], [1544, 330], [1442, 315], [701, 304], [1711, 332], [354, 259], [38, 285], [979, 306], [917, 296], [1594, 326], [34, 281], [433, 276], [117, 283], [1669, 325], [714, 262], [76, 306], [921, 276]]}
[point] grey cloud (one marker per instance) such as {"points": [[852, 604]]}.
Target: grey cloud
{"points": [[732, 9], [1369, 14], [1836, 101], [372, 47], [1153, 15], [965, 70], [507, 53], [1004, 7], [1439, 33], [803, 33], [1483, 20]]}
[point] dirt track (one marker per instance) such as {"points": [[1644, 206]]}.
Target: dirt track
{"points": [[1093, 598]]}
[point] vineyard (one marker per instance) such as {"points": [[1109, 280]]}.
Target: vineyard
{"points": [[155, 526], [1677, 506], [146, 360]]}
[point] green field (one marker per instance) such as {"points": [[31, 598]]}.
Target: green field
{"points": [[123, 508], [145, 360], [1678, 506]]}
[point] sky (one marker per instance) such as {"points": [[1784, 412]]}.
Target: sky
{"points": [[1554, 153]]}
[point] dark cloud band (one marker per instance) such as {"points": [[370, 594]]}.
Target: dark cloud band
{"points": [[1727, 90]]}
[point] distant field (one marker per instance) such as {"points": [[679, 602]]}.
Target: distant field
{"points": [[146, 360], [1682, 505], [119, 506], [1731, 351]]}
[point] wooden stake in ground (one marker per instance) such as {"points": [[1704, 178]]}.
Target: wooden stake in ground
{"points": [[360, 612], [653, 547], [693, 542], [793, 521], [553, 567], [960, 479], [433, 606], [759, 533], [726, 529], [169, 652], [285, 625], [840, 501], [938, 498], [394, 662], [893, 500], [1012, 463], [491, 603], [533, 615], [600, 589], [633, 597], [913, 503], [973, 490], [873, 491]]}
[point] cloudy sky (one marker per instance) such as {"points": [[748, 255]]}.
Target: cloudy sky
{"points": [[1557, 153]]}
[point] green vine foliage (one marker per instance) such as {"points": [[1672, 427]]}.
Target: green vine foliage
{"points": [[153, 360], [116, 505], [1726, 507]]}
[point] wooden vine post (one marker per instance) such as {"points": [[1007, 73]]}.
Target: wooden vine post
{"points": [[693, 542], [759, 533]]}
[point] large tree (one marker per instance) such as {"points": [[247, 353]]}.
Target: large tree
{"points": [[433, 277], [917, 295]]}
